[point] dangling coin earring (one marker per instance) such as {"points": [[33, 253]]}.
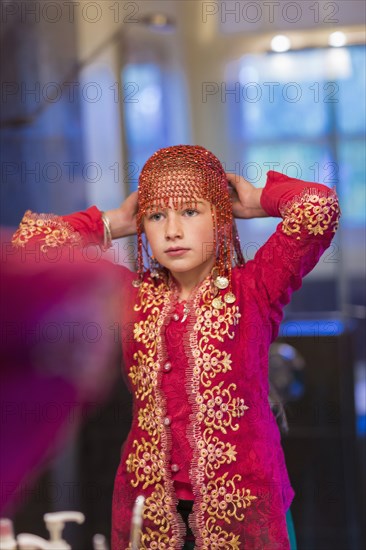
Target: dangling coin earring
{"points": [[154, 267], [218, 280], [229, 298], [217, 303], [221, 282]]}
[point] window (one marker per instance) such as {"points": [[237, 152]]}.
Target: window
{"points": [[155, 112], [301, 113]]}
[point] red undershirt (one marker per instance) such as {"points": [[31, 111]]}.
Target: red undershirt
{"points": [[178, 407]]}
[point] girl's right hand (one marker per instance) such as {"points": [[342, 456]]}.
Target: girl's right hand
{"points": [[123, 218]]}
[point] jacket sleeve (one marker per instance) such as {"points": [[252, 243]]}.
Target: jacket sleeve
{"points": [[51, 231], [310, 214]]}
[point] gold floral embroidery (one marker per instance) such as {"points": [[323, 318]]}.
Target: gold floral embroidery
{"points": [[216, 410], [214, 537], [212, 361], [157, 508], [143, 374], [148, 418], [311, 211], [213, 453], [215, 323], [222, 500], [149, 295], [217, 407], [154, 540], [146, 463], [55, 231], [147, 331]]}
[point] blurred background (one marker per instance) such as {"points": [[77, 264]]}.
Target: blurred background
{"points": [[89, 90]]}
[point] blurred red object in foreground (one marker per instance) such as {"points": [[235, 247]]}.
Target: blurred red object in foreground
{"points": [[57, 351]]}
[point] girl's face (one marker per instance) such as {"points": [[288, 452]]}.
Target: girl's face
{"points": [[182, 240]]}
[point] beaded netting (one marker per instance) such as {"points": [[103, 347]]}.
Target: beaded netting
{"points": [[187, 173]]}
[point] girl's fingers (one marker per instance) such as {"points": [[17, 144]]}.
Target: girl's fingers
{"points": [[233, 194], [233, 179]]}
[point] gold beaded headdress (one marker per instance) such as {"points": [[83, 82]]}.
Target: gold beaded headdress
{"points": [[189, 173]]}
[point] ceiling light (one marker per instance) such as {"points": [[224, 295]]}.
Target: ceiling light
{"points": [[280, 43], [337, 39]]}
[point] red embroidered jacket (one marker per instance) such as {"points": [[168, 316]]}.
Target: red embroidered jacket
{"points": [[201, 410]]}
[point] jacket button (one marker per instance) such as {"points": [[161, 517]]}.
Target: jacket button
{"points": [[174, 468], [176, 317], [167, 367], [167, 421]]}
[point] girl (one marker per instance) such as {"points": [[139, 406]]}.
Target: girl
{"points": [[204, 447]]}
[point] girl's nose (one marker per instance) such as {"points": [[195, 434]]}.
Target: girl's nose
{"points": [[173, 227]]}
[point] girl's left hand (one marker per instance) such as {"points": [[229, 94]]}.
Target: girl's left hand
{"points": [[245, 198]]}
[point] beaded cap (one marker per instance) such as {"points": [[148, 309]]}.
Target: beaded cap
{"points": [[187, 173]]}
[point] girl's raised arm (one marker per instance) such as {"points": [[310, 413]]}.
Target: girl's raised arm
{"points": [[310, 214], [78, 229]]}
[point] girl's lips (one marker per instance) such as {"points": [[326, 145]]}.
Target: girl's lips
{"points": [[177, 252]]}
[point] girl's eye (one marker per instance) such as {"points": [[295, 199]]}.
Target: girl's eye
{"points": [[191, 212], [155, 216]]}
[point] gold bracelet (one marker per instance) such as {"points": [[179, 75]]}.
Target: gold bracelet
{"points": [[107, 231]]}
